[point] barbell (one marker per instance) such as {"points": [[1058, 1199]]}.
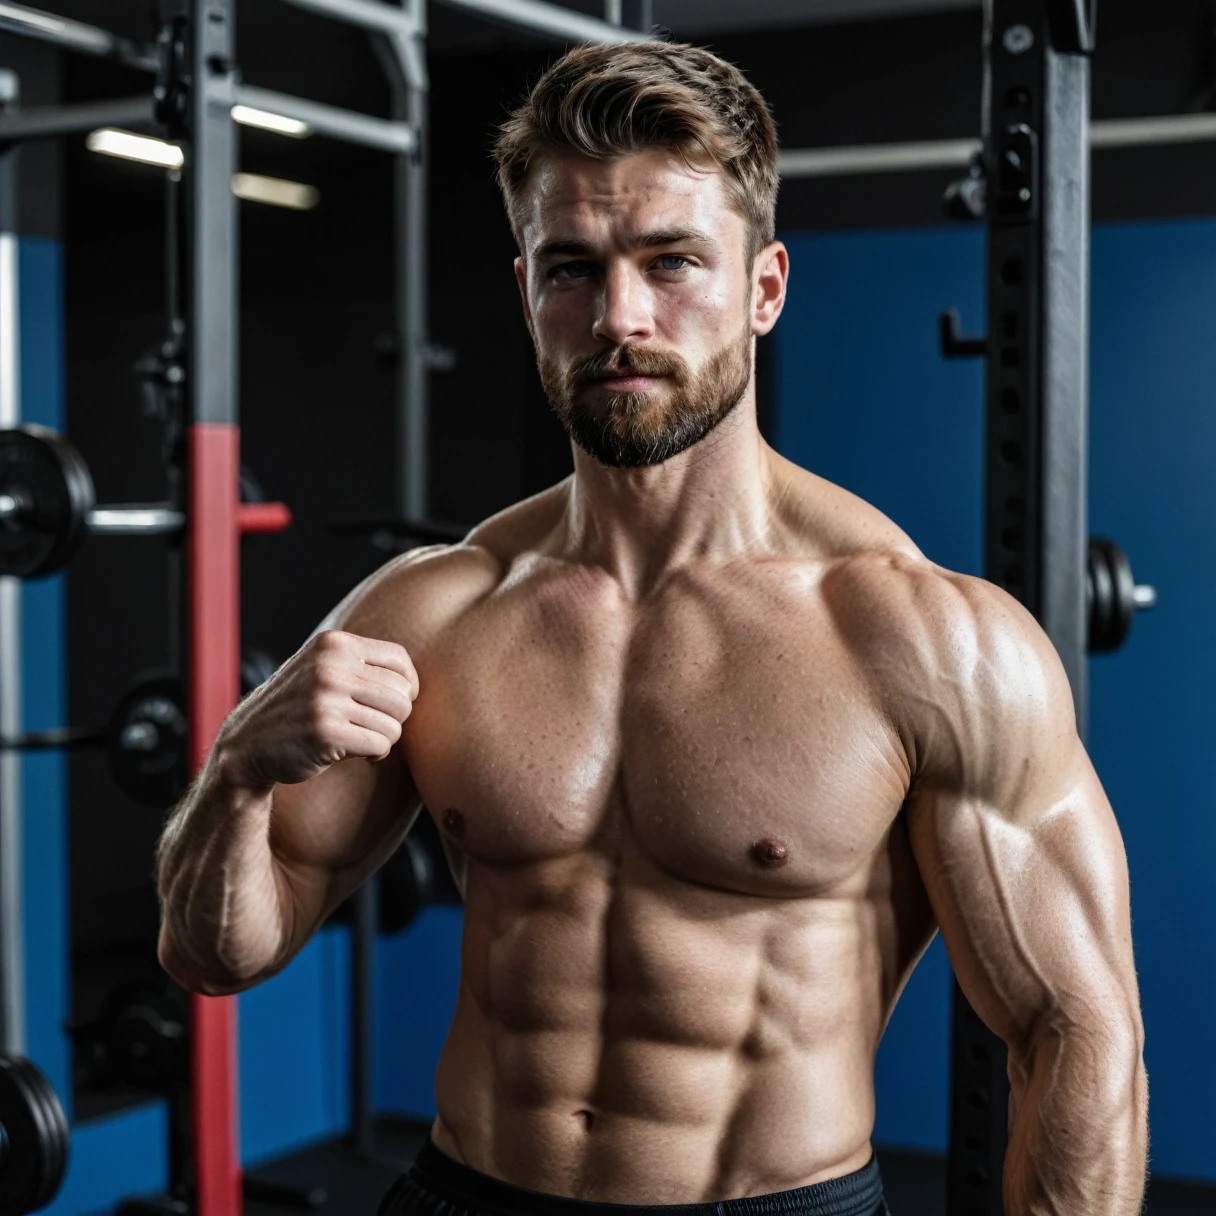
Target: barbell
{"points": [[48, 506]]}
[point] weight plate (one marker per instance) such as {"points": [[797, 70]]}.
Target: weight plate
{"points": [[145, 1028], [56, 1120], [1101, 598], [1125, 590], [149, 742], [51, 482], [1112, 596], [37, 1138]]}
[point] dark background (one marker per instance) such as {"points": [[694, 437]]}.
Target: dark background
{"points": [[316, 295]]}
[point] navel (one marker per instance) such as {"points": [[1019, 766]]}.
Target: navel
{"points": [[453, 822], [770, 853]]}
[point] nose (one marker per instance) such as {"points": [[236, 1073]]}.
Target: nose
{"points": [[625, 311]]}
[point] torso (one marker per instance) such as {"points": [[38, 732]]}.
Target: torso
{"points": [[690, 899]]}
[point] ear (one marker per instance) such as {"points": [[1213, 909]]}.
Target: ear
{"points": [[521, 278], [771, 274]]}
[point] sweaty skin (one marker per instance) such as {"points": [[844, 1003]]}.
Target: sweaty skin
{"points": [[714, 751]]}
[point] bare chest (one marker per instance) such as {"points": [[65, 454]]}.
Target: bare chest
{"points": [[731, 742]]}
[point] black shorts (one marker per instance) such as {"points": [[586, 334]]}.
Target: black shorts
{"points": [[439, 1186]]}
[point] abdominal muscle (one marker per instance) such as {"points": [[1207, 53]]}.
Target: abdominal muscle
{"points": [[624, 1036]]}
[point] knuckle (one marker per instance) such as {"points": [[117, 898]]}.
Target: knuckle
{"points": [[332, 641]]}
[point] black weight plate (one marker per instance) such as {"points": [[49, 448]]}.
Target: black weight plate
{"points": [[56, 1120], [149, 742], [46, 474], [1111, 596], [1101, 598], [1125, 589], [37, 1135], [145, 1029]]}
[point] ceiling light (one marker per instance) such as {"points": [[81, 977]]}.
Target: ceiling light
{"points": [[267, 121], [274, 190], [135, 147]]}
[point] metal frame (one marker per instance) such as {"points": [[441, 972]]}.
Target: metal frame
{"points": [[213, 542], [1105, 135], [547, 20], [12, 956], [51, 122], [1036, 156], [337, 123], [402, 55], [75, 36]]}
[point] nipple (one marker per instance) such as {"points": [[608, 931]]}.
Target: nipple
{"points": [[770, 853], [453, 822]]}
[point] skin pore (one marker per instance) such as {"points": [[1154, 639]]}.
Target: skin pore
{"points": [[713, 751]]}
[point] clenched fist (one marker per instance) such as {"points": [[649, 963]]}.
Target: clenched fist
{"points": [[338, 697]]}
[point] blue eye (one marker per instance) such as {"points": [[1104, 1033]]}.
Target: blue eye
{"points": [[573, 270], [673, 261]]}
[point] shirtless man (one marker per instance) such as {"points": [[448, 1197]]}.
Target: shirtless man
{"points": [[713, 749]]}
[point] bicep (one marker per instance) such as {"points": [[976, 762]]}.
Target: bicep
{"points": [[1030, 887], [329, 834]]}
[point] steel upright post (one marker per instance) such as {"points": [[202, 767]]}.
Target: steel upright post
{"points": [[1036, 133], [213, 562], [403, 56], [12, 959], [411, 104]]}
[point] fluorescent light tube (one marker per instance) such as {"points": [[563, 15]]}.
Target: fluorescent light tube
{"points": [[255, 188], [135, 147], [280, 123]]}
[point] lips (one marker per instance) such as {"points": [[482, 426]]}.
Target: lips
{"points": [[628, 381]]}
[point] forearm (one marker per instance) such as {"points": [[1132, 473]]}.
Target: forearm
{"points": [[221, 891], [1079, 1134]]}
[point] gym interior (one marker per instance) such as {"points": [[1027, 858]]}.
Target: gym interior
{"points": [[361, 295]]}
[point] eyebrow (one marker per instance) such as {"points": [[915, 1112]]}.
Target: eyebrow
{"points": [[568, 247]]}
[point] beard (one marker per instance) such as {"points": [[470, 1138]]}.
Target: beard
{"points": [[637, 430]]}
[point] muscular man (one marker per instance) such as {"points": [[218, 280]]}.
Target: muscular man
{"points": [[713, 749]]}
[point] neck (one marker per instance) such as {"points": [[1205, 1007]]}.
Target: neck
{"points": [[711, 501]]}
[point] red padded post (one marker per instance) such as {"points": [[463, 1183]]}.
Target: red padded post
{"points": [[215, 657]]}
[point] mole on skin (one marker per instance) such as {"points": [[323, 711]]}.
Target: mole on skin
{"points": [[453, 821], [770, 853]]}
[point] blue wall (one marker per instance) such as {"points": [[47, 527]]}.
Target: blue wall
{"points": [[865, 400], [418, 974]]}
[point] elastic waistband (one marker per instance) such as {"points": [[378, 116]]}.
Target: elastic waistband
{"points": [[857, 1194]]}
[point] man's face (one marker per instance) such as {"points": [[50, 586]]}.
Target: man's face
{"points": [[639, 295]]}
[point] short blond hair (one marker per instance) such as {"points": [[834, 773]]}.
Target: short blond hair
{"points": [[609, 101]]}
